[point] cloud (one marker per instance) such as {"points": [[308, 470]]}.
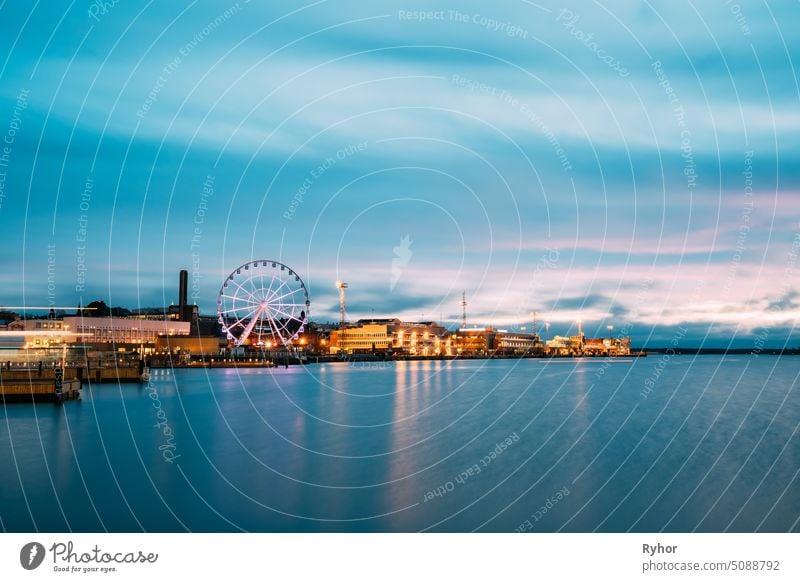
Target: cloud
{"points": [[489, 149], [787, 302]]}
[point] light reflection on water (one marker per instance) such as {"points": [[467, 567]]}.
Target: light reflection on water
{"points": [[335, 447]]}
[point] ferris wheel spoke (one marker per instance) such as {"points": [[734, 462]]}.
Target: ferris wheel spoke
{"points": [[292, 292], [250, 295], [284, 325], [242, 299], [254, 288], [268, 290], [250, 326], [266, 322], [238, 323], [246, 315], [291, 307], [289, 315], [280, 310], [277, 330], [286, 283], [277, 289], [233, 309], [261, 274]]}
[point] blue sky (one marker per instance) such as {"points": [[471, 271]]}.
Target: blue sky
{"points": [[630, 163]]}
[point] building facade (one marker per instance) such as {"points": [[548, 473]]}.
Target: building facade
{"points": [[124, 330], [472, 341], [365, 338], [189, 344], [38, 333], [424, 338], [514, 343], [578, 345]]}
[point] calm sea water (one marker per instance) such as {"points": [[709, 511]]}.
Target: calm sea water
{"points": [[693, 443]]}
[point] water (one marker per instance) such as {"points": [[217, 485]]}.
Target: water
{"points": [[693, 443]]}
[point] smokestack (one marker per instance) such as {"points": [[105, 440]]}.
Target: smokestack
{"points": [[183, 294]]}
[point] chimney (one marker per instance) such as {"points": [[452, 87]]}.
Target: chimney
{"points": [[183, 294]]}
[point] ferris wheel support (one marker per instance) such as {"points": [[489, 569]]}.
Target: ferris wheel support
{"points": [[253, 320]]}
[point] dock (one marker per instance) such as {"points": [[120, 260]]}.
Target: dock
{"points": [[39, 390], [48, 383]]}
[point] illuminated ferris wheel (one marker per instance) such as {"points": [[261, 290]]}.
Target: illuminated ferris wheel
{"points": [[263, 301]]}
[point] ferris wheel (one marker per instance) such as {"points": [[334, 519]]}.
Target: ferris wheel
{"points": [[265, 301]]}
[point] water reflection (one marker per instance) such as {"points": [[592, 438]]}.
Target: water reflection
{"points": [[281, 450]]}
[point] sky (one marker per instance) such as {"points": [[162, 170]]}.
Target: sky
{"points": [[632, 163]]}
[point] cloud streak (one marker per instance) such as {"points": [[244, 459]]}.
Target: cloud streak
{"points": [[491, 136]]}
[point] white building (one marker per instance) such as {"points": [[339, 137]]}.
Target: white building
{"points": [[123, 330], [43, 333], [36, 333]]}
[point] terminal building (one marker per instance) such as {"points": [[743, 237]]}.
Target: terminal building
{"points": [[424, 338], [361, 338], [565, 345], [38, 333], [121, 330], [147, 329], [578, 345], [427, 338], [514, 343], [607, 347], [472, 341], [483, 341], [48, 333]]}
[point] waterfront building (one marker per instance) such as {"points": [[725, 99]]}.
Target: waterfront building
{"points": [[314, 339], [483, 341], [515, 343], [124, 330], [424, 338], [619, 346], [156, 313], [189, 344], [360, 338], [576, 343], [580, 346], [596, 347], [38, 333], [472, 341], [559, 346]]}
